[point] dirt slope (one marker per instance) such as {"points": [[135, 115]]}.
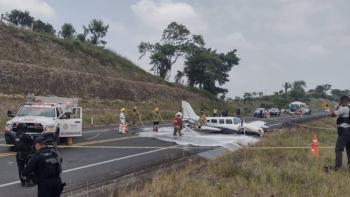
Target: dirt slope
{"points": [[41, 64]]}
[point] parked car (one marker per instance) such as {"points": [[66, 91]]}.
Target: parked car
{"points": [[274, 112], [260, 112]]}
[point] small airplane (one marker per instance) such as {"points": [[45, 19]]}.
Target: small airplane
{"points": [[223, 124]]}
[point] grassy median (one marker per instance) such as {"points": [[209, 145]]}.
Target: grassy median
{"points": [[260, 172]]}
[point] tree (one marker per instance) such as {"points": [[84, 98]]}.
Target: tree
{"points": [[261, 94], [165, 53], [207, 69], [18, 17], [67, 31], [247, 97], [337, 94], [178, 77], [298, 90], [97, 30], [82, 37], [40, 26], [287, 86]]}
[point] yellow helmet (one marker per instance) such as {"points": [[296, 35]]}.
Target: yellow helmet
{"points": [[122, 109], [156, 109]]}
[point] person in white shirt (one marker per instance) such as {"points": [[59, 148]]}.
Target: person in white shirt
{"points": [[122, 121], [343, 127]]}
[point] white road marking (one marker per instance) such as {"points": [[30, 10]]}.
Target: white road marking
{"points": [[99, 163]]}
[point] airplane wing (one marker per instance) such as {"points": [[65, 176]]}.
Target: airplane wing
{"points": [[257, 124]]}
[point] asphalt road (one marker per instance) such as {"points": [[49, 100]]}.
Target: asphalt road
{"points": [[103, 153]]}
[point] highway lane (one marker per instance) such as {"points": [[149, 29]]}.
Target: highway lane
{"points": [[110, 155], [83, 166]]}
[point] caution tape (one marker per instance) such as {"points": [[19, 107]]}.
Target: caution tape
{"points": [[285, 147]]}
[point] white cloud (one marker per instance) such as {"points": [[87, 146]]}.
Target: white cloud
{"points": [[159, 14], [317, 49], [37, 8]]}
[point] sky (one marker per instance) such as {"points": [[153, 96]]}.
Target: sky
{"points": [[277, 40]]}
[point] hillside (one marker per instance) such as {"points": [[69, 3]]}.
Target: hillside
{"points": [[42, 64], [104, 81]]}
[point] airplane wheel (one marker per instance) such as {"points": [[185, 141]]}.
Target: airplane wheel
{"points": [[241, 131]]}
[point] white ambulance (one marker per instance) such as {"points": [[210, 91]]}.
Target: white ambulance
{"points": [[52, 117]]}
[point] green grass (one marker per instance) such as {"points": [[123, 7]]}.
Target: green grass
{"points": [[260, 172]]}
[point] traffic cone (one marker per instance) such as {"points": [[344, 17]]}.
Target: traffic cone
{"points": [[126, 127], [315, 150]]}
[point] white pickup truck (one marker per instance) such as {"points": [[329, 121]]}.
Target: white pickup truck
{"points": [[51, 117]]}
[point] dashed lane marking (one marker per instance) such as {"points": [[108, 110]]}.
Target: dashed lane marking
{"points": [[99, 163]]}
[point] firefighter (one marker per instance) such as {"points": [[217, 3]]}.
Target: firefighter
{"points": [[215, 112], [122, 120], [343, 128], [23, 145], [46, 166], [156, 119], [177, 122], [135, 117], [202, 119]]}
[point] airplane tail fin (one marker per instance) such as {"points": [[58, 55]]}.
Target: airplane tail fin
{"points": [[188, 113]]}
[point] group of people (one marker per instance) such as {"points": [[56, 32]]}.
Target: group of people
{"points": [[135, 118], [38, 164]]}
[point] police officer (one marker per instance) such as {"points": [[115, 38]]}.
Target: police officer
{"points": [[23, 145], [46, 165], [343, 128]]}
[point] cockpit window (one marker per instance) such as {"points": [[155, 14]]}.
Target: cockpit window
{"points": [[37, 111], [236, 120]]}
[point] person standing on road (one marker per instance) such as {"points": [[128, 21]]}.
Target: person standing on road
{"points": [[343, 128], [23, 145], [215, 112], [122, 121], [156, 119], [177, 122], [46, 165], [135, 117], [202, 119], [238, 112]]}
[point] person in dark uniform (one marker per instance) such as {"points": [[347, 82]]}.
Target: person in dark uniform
{"points": [[46, 165], [343, 128], [23, 145], [238, 113]]}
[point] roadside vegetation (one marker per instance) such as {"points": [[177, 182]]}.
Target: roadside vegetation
{"points": [[295, 91], [259, 172]]}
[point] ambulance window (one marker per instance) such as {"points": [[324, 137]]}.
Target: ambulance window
{"points": [[214, 121], [229, 121], [75, 113], [59, 111], [221, 121]]}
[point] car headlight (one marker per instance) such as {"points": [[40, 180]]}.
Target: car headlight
{"points": [[49, 129], [8, 127]]}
